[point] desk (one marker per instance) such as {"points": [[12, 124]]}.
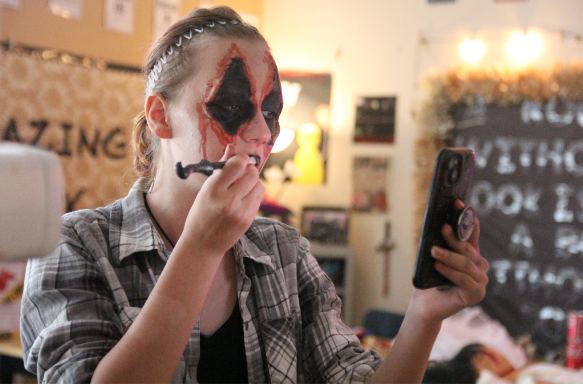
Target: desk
{"points": [[11, 346]]}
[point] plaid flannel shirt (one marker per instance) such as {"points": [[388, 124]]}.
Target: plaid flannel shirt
{"points": [[80, 300]]}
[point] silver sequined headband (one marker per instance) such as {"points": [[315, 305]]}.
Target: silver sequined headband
{"points": [[157, 69]]}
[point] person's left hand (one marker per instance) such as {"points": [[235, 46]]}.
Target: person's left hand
{"points": [[464, 267]]}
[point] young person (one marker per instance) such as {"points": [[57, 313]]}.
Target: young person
{"points": [[180, 281], [460, 369], [479, 364]]}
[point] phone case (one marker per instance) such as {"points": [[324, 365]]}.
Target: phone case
{"points": [[452, 177]]}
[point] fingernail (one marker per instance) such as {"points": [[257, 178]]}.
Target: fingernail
{"points": [[436, 252]]}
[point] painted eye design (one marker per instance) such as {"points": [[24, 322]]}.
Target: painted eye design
{"points": [[231, 115], [233, 108], [269, 114]]}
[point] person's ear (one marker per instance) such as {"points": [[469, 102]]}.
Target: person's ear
{"points": [[156, 115]]}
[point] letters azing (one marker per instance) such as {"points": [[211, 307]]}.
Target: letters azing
{"points": [[67, 140]]}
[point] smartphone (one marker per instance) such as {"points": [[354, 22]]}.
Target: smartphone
{"points": [[452, 177]]}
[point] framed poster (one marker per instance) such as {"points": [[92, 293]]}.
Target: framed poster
{"points": [[370, 182], [325, 224], [375, 120], [306, 109]]}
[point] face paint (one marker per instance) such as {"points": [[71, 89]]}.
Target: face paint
{"points": [[232, 107], [272, 104], [206, 120], [232, 100]]}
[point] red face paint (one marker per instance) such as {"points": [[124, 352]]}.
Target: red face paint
{"points": [[227, 109]]}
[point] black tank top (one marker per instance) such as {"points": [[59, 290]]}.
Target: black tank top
{"points": [[222, 355]]}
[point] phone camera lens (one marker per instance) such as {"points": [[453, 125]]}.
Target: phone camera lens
{"points": [[453, 167], [454, 175], [453, 163]]}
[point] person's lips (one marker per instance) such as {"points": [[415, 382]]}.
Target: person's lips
{"points": [[254, 159]]}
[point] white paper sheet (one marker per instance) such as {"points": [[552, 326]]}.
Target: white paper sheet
{"points": [[119, 16]]}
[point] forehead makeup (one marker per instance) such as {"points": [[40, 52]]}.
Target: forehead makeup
{"points": [[232, 106]]}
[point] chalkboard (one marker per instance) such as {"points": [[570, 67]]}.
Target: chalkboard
{"points": [[528, 194]]}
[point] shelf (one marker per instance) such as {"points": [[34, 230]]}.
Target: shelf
{"points": [[336, 261]]}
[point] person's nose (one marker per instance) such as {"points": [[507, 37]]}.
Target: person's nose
{"points": [[257, 130]]}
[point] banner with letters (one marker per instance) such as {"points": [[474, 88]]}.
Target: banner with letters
{"points": [[83, 114], [528, 194], [527, 133]]}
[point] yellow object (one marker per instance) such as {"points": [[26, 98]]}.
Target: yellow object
{"points": [[308, 159]]}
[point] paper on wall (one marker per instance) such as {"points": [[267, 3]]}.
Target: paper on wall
{"points": [[68, 9], [119, 16], [14, 4], [166, 12]]}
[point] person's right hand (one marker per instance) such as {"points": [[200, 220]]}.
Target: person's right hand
{"points": [[225, 206]]}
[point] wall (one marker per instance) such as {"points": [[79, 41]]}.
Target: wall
{"points": [[32, 25], [374, 47]]}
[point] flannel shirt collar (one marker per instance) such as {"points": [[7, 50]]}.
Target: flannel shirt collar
{"points": [[131, 240], [130, 236], [252, 246]]}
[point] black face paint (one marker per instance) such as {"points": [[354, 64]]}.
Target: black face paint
{"points": [[271, 108], [232, 106]]}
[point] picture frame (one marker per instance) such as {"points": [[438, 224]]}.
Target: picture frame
{"points": [[371, 183], [328, 225], [375, 119], [306, 97]]}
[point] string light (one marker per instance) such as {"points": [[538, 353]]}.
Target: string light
{"points": [[524, 48], [472, 50]]}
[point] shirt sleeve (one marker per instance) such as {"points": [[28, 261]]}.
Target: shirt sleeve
{"points": [[69, 320], [331, 351]]}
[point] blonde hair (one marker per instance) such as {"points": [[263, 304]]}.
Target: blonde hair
{"points": [[169, 64]]}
